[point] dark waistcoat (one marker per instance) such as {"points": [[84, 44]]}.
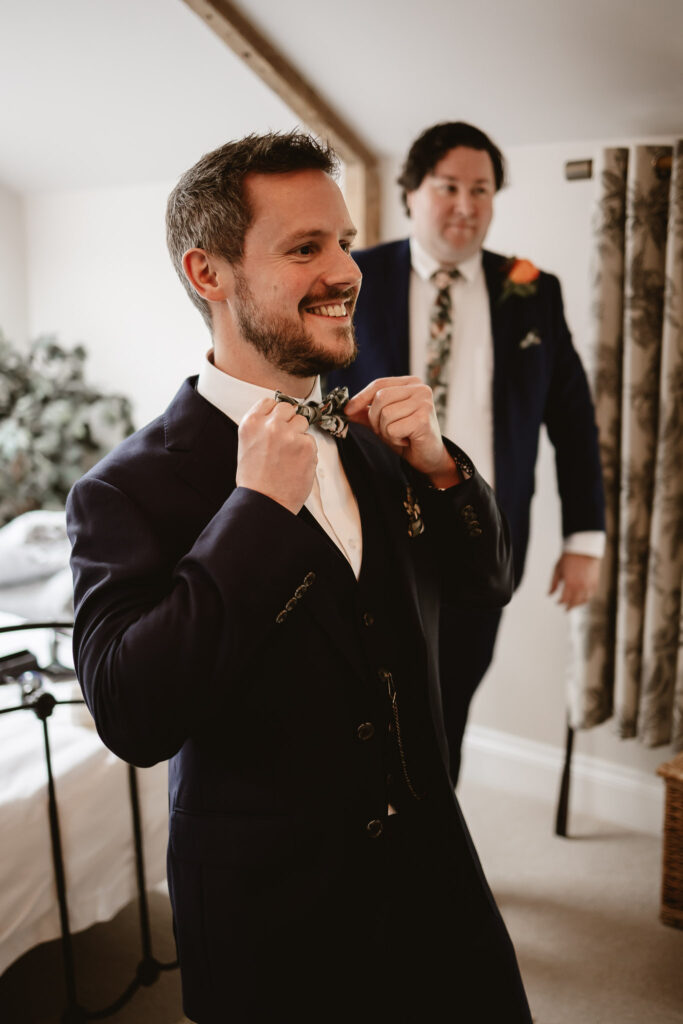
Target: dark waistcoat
{"points": [[397, 748]]}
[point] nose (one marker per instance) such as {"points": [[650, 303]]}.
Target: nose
{"points": [[341, 270], [463, 203]]}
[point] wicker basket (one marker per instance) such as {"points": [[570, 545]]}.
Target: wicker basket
{"points": [[672, 867]]}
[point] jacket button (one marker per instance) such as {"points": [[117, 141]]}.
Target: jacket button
{"points": [[368, 619], [365, 731], [374, 828]]}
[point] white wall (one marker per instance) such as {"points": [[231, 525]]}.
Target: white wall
{"points": [[99, 273], [545, 218], [13, 311]]}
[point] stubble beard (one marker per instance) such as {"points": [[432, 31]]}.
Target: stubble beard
{"points": [[287, 344]]}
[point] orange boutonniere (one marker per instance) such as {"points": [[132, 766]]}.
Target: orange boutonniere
{"points": [[521, 278]]}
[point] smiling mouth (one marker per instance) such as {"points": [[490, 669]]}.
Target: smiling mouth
{"points": [[333, 311]]}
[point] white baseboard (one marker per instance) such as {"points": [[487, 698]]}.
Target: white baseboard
{"points": [[603, 790]]}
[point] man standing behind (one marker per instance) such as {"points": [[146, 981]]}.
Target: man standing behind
{"points": [[488, 334], [257, 585]]}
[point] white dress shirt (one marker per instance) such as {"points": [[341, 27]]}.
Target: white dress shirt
{"points": [[331, 501], [469, 405]]}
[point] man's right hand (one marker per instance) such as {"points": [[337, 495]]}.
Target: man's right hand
{"points": [[275, 454]]}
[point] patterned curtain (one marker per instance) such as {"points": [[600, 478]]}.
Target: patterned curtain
{"points": [[627, 659]]}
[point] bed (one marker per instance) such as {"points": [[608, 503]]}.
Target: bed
{"points": [[93, 799]]}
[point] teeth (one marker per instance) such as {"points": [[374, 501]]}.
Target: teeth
{"points": [[339, 310]]}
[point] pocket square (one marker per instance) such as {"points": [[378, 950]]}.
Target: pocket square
{"points": [[532, 338]]}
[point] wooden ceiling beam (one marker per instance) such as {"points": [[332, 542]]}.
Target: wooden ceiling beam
{"points": [[362, 178]]}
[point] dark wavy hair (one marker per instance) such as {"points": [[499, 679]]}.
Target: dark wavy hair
{"points": [[434, 143], [208, 208]]}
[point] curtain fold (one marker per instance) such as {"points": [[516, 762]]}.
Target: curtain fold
{"points": [[626, 659]]}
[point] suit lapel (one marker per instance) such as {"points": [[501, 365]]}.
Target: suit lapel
{"points": [[388, 492], [334, 595], [204, 441], [504, 328], [494, 272], [398, 301]]}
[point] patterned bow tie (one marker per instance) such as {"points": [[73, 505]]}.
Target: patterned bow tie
{"points": [[326, 414]]}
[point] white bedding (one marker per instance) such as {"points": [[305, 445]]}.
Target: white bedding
{"points": [[95, 821], [35, 579]]}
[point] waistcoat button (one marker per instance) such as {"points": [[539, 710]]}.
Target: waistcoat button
{"points": [[365, 731], [374, 828], [368, 619]]}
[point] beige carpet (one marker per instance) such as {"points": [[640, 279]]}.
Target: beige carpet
{"points": [[583, 914]]}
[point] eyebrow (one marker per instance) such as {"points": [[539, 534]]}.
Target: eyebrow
{"points": [[349, 232], [451, 177]]}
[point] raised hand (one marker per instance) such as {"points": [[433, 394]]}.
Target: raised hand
{"points": [[400, 410], [275, 454]]}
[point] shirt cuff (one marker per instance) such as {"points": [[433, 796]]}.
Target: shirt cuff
{"points": [[587, 542]]}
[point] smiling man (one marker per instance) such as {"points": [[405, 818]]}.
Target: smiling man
{"points": [[257, 578], [487, 332]]}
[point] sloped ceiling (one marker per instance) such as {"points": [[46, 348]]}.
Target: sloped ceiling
{"points": [[100, 92]]}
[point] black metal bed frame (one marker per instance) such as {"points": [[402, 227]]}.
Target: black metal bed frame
{"points": [[43, 703]]}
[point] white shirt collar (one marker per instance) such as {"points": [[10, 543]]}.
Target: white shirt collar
{"points": [[235, 397], [425, 265]]}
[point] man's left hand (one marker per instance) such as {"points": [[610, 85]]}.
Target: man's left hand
{"points": [[400, 410], [576, 578]]}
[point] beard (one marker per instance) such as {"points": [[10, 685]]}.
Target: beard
{"points": [[286, 343]]}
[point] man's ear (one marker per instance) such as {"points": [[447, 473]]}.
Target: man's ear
{"points": [[211, 277]]}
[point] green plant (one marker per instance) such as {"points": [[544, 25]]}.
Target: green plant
{"points": [[53, 425]]}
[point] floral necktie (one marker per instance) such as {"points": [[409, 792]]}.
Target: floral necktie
{"points": [[439, 343]]}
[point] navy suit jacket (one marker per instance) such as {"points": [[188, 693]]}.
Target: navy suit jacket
{"points": [[209, 629], [532, 385]]}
